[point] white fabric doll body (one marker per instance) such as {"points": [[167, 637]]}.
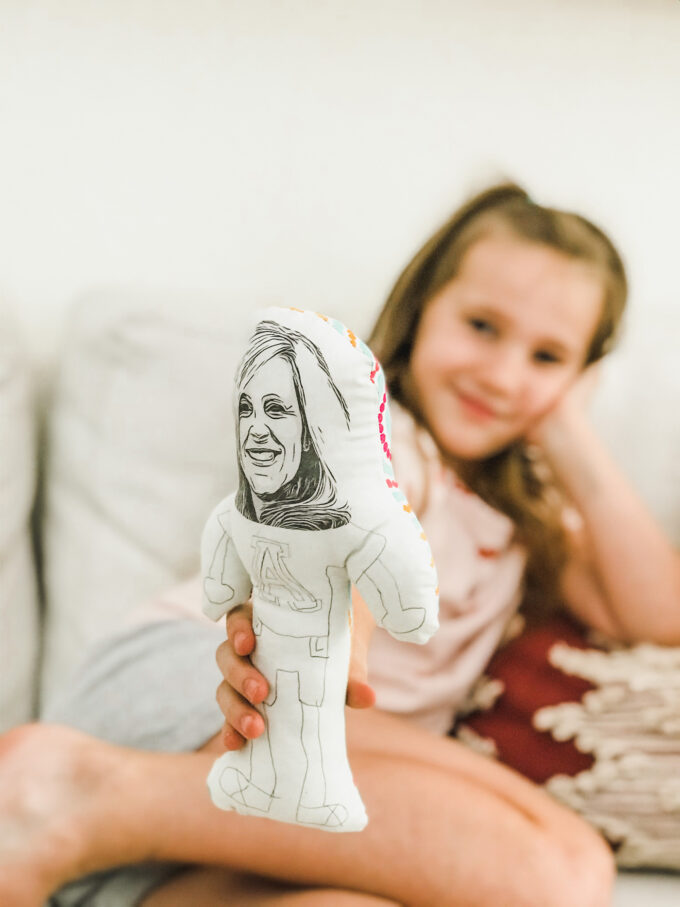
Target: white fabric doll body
{"points": [[317, 510]]}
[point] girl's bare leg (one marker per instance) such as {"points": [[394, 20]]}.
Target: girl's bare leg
{"points": [[216, 887], [446, 827]]}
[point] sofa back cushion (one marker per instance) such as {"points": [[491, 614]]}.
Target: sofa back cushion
{"points": [[635, 410], [140, 447]]}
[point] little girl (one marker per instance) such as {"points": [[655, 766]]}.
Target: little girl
{"points": [[486, 342]]}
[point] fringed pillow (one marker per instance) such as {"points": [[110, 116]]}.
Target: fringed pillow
{"points": [[597, 724]]}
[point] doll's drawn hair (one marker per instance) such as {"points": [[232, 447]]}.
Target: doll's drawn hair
{"points": [[309, 500], [507, 480]]}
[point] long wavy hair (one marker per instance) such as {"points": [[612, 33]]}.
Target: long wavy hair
{"points": [[309, 500], [509, 479]]}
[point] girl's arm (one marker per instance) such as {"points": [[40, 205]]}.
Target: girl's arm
{"points": [[623, 576]]}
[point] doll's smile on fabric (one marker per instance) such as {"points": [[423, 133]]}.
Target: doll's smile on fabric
{"points": [[270, 428]]}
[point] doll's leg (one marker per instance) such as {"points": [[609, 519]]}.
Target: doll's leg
{"points": [[446, 827], [246, 778], [313, 808]]}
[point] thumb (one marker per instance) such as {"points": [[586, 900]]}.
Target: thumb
{"points": [[360, 694]]}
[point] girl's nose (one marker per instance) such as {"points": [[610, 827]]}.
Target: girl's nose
{"points": [[506, 370]]}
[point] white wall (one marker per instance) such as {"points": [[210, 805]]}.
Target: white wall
{"points": [[302, 149]]}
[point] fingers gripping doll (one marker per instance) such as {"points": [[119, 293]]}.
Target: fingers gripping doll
{"points": [[317, 509]]}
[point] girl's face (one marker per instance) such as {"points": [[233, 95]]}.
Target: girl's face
{"points": [[500, 344]]}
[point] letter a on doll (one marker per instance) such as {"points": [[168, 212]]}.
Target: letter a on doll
{"points": [[317, 510]]}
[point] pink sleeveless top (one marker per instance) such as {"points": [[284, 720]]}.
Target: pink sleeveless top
{"points": [[480, 571]]}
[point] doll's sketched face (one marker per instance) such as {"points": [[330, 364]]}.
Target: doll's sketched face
{"points": [[269, 428], [284, 479]]}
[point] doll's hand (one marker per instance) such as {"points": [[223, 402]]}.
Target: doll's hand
{"points": [[405, 623], [244, 687]]}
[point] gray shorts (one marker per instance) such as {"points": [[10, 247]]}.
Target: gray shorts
{"points": [[151, 688]]}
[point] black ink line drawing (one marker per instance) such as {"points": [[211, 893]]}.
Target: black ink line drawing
{"points": [[283, 480], [273, 579], [285, 646], [259, 541]]}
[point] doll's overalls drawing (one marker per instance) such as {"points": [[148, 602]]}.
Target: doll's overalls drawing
{"points": [[296, 623], [289, 538]]}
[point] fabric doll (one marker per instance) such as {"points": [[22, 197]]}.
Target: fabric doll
{"points": [[317, 509]]}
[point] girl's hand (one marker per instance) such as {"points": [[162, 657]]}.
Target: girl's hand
{"points": [[360, 695], [569, 408], [244, 687]]}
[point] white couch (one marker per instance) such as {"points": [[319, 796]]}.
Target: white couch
{"points": [[137, 444]]}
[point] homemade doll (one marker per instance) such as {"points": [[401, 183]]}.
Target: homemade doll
{"points": [[317, 509]]}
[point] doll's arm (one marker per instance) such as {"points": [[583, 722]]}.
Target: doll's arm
{"points": [[380, 590], [226, 582]]}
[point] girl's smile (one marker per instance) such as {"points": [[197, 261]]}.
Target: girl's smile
{"points": [[498, 346], [475, 407]]}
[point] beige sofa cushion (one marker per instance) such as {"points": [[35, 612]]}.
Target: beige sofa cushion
{"points": [[18, 595], [635, 410], [140, 447]]}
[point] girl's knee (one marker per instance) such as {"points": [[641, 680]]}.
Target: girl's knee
{"points": [[599, 872], [584, 872]]}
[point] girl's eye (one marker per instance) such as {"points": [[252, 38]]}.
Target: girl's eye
{"points": [[482, 326], [545, 357]]}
